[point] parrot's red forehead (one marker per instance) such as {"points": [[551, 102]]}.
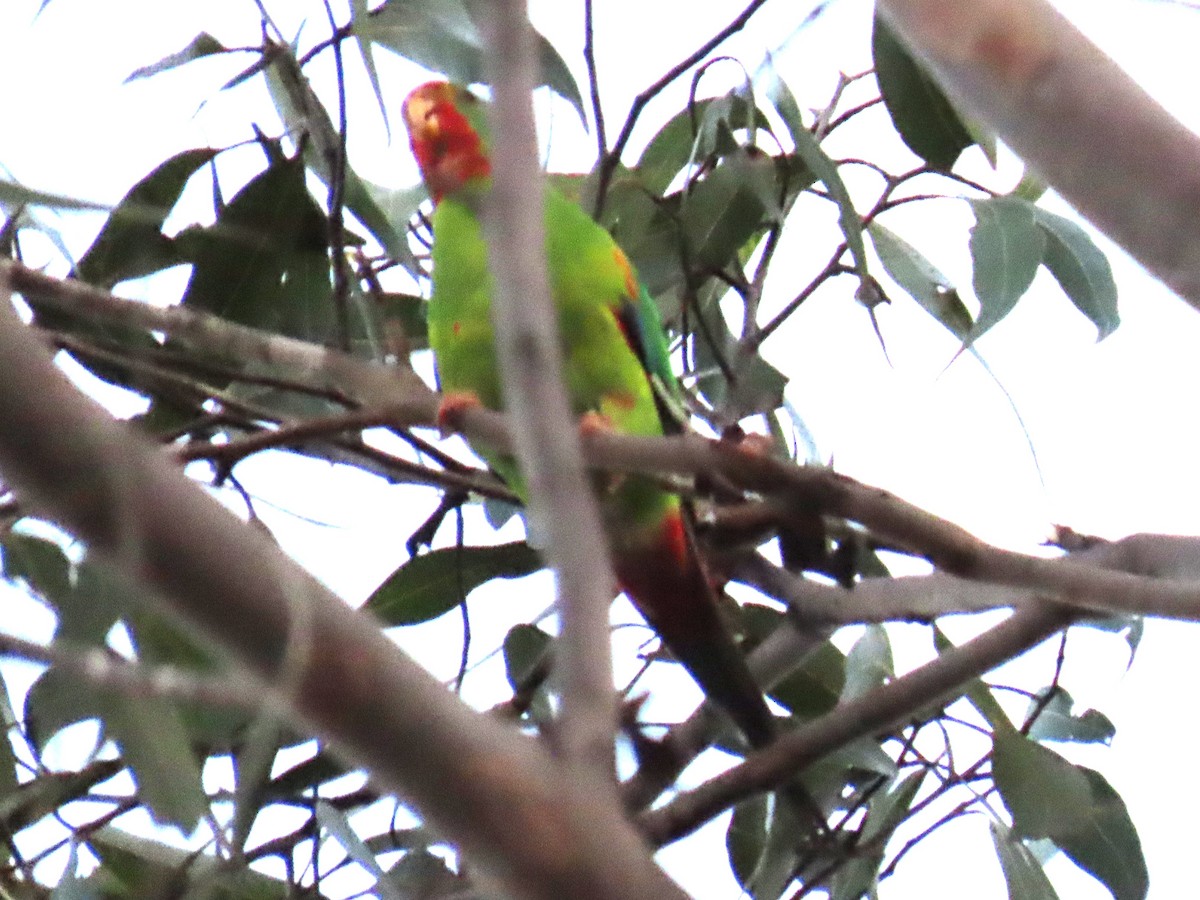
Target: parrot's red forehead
{"points": [[448, 149]]}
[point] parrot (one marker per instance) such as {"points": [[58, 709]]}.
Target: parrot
{"points": [[614, 349]]}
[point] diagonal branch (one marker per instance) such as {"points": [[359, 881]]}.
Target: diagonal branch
{"points": [[136, 511], [1071, 113], [1142, 574], [878, 712]]}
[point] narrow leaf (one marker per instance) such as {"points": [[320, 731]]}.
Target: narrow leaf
{"points": [[1023, 874], [434, 583], [921, 280], [203, 44]]}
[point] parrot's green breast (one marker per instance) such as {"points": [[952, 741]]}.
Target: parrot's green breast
{"points": [[590, 281]]}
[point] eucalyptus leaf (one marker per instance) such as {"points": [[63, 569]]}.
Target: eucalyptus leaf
{"points": [[432, 584], [1082, 270], [1007, 246], [920, 110]]}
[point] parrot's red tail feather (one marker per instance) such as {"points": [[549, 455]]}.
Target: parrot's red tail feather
{"points": [[669, 587]]}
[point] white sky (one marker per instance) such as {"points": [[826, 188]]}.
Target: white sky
{"points": [[1109, 421]]}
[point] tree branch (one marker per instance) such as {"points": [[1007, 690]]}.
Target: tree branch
{"points": [[878, 712], [1071, 113], [544, 430], [516, 814]]}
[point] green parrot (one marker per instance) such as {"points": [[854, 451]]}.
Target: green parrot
{"points": [[613, 346]]}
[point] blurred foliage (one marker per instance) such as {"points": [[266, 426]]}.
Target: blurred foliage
{"points": [[701, 211]]}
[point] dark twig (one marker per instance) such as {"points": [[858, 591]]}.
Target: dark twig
{"points": [[608, 163], [589, 58]]}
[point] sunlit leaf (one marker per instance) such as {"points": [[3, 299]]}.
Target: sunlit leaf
{"points": [[869, 663]]}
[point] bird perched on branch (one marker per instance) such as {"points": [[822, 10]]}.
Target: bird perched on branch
{"points": [[615, 351]]}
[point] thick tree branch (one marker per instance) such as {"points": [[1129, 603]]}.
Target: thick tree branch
{"points": [[517, 815], [876, 713], [1072, 114], [544, 430], [1120, 583]]}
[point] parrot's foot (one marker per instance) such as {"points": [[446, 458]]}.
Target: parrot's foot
{"points": [[592, 422], [748, 441], [450, 410]]}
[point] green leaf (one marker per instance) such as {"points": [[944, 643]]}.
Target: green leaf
{"points": [[816, 686], [264, 262], [155, 746], [885, 812], [746, 838], [921, 112], [869, 663], [1007, 247], [87, 612], [132, 244], [756, 386], [1107, 846], [821, 166], [334, 822], [202, 45], [525, 651], [1132, 627], [1045, 794], [977, 692], [159, 640], [434, 583], [54, 701], [317, 770], [385, 212], [424, 874], [359, 11], [48, 791], [139, 867], [1023, 874], [728, 207], [8, 759], [670, 150], [1057, 722], [13, 194], [1082, 270], [921, 280], [444, 35], [253, 759], [1073, 806], [38, 562]]}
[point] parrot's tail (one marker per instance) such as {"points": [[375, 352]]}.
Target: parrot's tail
{"points": [[667, 583]]}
